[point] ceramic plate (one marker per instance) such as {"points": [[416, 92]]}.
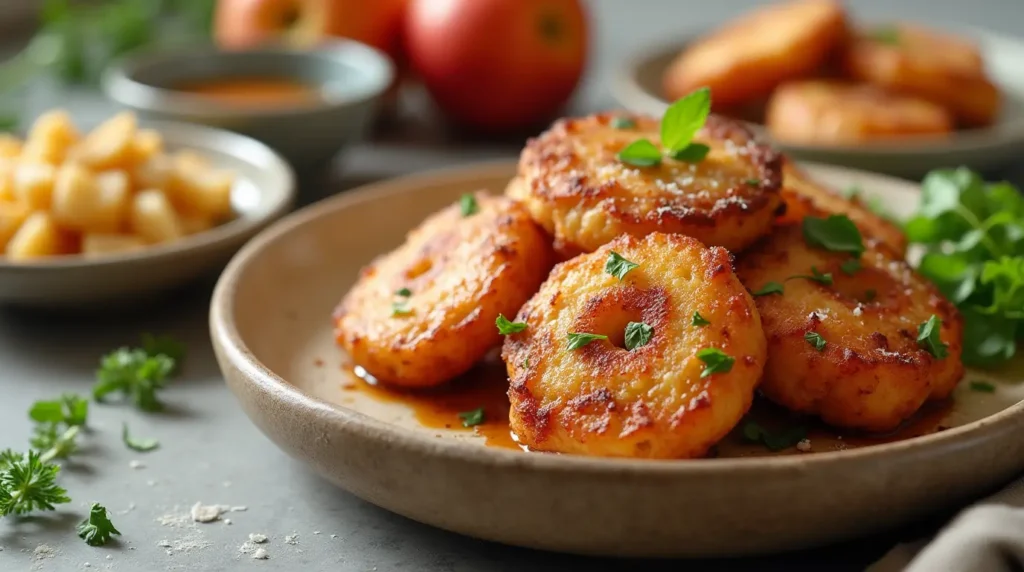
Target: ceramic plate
{"points": [[637, 86], [271, 327], [264, 191]]}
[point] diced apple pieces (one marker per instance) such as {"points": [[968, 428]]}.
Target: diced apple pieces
{"points": [[102, 244], [12, 216], [88, 203], [50, 137], [33, 184], [38, 237], [147, 144], [153, 217], [110, 145]]}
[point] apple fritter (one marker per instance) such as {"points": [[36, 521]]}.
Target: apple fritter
{"points": [[425, 312], [748, 57], [575, 187], [843, 333], [678, 353]]}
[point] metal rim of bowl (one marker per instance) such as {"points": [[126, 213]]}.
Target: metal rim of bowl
{"points": [[253, 151], [118, 83]]}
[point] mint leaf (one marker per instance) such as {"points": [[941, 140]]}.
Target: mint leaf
{"points": [[816, 341], [716, 361], [692, 153], [468, 205], [836, 233], [618, 266], [505, 327], [640, 153], [684, 118], [638, 334]]}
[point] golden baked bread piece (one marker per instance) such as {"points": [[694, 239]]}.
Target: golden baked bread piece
{"points": [[748, 57], [654, 400], [575, 187], [848, 350], [424, 313], [820, 112], [940, 67]]}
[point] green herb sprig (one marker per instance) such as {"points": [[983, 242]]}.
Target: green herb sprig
{"points": [[680, 123]]}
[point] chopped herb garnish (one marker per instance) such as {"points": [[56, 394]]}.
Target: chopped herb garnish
{"points": [[135, 374], [692, 153], [137, 444], [850, 267], [815, 276], [621, 122], [400, 309], [28, 483], [774, 441], [54, 444], [638, 334], [681, 121], [640, 153], [928, 337], [983, 386], [403, 292], [836, 233], [506, 327], [699, 320], [164, 345], [468, 205], [471, 418], [579, 339], [97, 529], [769, 288], [716, 361], [815, 339], [69, 409], [618, 266]]}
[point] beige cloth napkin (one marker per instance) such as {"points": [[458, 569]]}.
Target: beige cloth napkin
{"points": [[985, 537]]}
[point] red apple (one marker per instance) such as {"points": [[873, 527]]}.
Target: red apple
{"points": [[497, 65]]}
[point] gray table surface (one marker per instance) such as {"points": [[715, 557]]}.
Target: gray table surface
{"points": [[212, 454]]}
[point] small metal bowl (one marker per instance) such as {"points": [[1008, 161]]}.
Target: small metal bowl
{"points": [[351, 78]]}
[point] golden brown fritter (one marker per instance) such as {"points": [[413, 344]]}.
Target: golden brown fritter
{"points": [[872, 373], [748, 57], [818, 112], [942, 68], [460, 273], [803, 195], [576, 188], [651, 401]]}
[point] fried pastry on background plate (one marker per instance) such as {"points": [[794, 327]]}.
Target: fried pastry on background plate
{"points": [[679, 352], [855, 337], [937, 66], [745, 59], [818, 112], [575, 187], [424, 313]]}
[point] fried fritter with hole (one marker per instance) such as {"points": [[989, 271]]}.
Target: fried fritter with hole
{"points": [[748, 57], [940, 67], [870, 372], [819, 112], [424, 313], [804, 195], [654, 400], [575, 187]]}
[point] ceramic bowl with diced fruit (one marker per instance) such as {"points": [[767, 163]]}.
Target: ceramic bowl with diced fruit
{"points": [[128, 210]]}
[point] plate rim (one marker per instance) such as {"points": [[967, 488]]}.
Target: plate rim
{"points": [[225, 335], [629, 93]]}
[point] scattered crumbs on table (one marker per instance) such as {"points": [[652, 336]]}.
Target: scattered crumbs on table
{"points": [[151, 482], [291, 539], [208, 513], [316, 532], [136, 464], [164, 544], [110, 557], [87, 565], [804, 445], [260, 554], [227, 521], [43, 551], [334, 536], [175, 519], [239, 508], [257, 538]]}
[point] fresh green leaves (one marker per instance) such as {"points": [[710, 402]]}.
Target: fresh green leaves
{"points": [[835, 233], [166, 345], [403, 292], [58, 422], [472, 418], [680, 123], [699, 321], [468, 205], [983, 387], [621, 122], [769, 288], [505, 327], [640, 153], [97, 529], [816, 341], [618, 266], [28, 483], [928, 337], [815, 276], [69, 409], [776, 441], [638, 334], [54, 443], [135, 374], [715, 361], [135, 443], [850, 267], [579, 339]]}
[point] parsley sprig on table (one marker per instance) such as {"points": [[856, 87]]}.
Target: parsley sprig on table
{"points": [[973, 235], [28, 483], [97, 529], [138, 373]]}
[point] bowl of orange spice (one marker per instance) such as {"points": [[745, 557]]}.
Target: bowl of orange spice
{"points": [[308, 104]]}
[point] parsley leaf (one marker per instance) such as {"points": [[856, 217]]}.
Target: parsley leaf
{"points": [[403, 292], [815, 276], [850, 267], [638, 334], [683, 119], [28, 483], [135, 374], [579, 339], [69, 409], [928, 337], [621, 122], [699, 320], [166, 345], [769, 288], [774, 441], [471, 418], [716, 361], [983, 386], [815, 339], [468, 205], [506, 327], [97, 529], [53, 443], [640, 153], [137, 444], [618, 266], [836, 233], [692, 153]]}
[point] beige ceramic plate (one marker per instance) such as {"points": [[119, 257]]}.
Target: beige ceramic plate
{"points": [[271, 327], [637, 86], [263, 192]]}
